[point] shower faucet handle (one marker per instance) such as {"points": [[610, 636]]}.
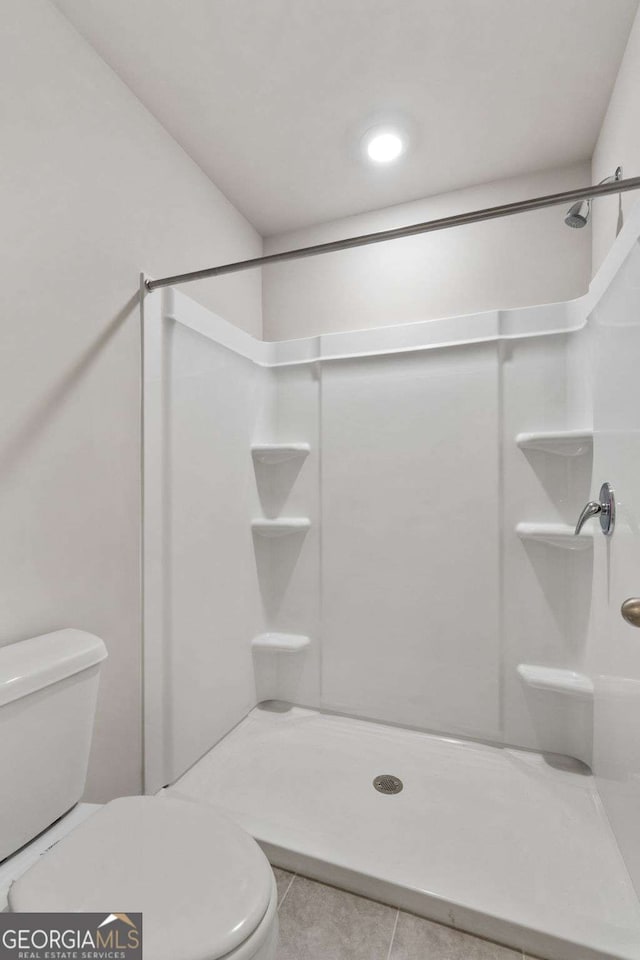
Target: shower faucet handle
{"points": [[605, 508], [592, 509]]}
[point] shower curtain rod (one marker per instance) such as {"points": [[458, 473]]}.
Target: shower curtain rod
{"points": [[428, 226]]}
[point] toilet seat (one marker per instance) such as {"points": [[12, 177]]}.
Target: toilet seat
{"points": [[202, 884]]}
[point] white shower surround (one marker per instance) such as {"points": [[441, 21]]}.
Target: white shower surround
{"points": [[283, 380], [536, 608], [430, 375]]}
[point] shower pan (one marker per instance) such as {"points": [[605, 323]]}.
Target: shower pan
{"points": [[361, 566]]}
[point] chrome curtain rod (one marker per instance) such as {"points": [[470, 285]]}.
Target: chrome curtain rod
{"points": [[428, 226]]}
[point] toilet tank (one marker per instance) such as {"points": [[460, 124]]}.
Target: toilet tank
{"points": [[48, 691]]}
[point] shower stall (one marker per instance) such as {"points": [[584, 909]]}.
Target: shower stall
{"points": [[360, 561]]}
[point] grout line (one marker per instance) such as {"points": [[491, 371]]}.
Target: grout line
{"points": [[289, 885], [393, 935]]}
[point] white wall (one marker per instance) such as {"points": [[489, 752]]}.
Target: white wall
{"points": [[618, 145], [516, 261], [92, 191]]}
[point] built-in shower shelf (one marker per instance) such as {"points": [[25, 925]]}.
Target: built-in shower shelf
{"points": [[566, 443], [555, 535], [556, 679], [280, 642], [282, 527], [279, 452]]}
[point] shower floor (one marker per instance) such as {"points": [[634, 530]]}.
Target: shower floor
{"points": [[494, 841]]}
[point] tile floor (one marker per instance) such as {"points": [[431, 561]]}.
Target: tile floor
{"points": [[318, 922]]}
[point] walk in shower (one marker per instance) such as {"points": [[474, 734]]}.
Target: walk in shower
{"points": [[360, 561]]}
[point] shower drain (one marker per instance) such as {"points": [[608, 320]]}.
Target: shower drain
{"points": [[386, 783]]}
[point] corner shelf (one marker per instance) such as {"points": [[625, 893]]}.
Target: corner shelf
{"points": [[280, 642], [565, 443], [279, 452], [555, 535], [282, 527], [555, 679]]}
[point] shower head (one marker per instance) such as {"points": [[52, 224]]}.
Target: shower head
{"points": [[578, 214]]}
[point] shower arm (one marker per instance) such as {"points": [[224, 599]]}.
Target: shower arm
{"points": [[428, 226], [612, 178]]}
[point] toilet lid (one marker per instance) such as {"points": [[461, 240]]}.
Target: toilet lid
{"points": [[201, 883]]}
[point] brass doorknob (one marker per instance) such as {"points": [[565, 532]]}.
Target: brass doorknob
{"points": [[630, 610]]}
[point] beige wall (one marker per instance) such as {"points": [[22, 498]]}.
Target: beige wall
{"points": [[512, 262], [618, 145], [92, 191]]}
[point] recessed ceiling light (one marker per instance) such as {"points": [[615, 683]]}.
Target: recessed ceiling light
{"points": [[384, 144]]}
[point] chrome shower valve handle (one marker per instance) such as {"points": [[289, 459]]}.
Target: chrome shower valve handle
{"points": [[605, 508], [592, 509]]}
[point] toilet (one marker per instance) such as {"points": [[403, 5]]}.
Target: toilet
{"points": [[203, 885]]}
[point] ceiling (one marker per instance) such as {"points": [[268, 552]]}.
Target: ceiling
{"points": [[271, 97]]}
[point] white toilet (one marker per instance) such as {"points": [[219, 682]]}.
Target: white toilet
{"points": [[203, 885]]}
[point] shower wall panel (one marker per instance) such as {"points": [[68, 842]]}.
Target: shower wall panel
{"points": [[288, 567], [202, 413], [418, 598], [614, 645], [410, 539], [546, 589]]}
